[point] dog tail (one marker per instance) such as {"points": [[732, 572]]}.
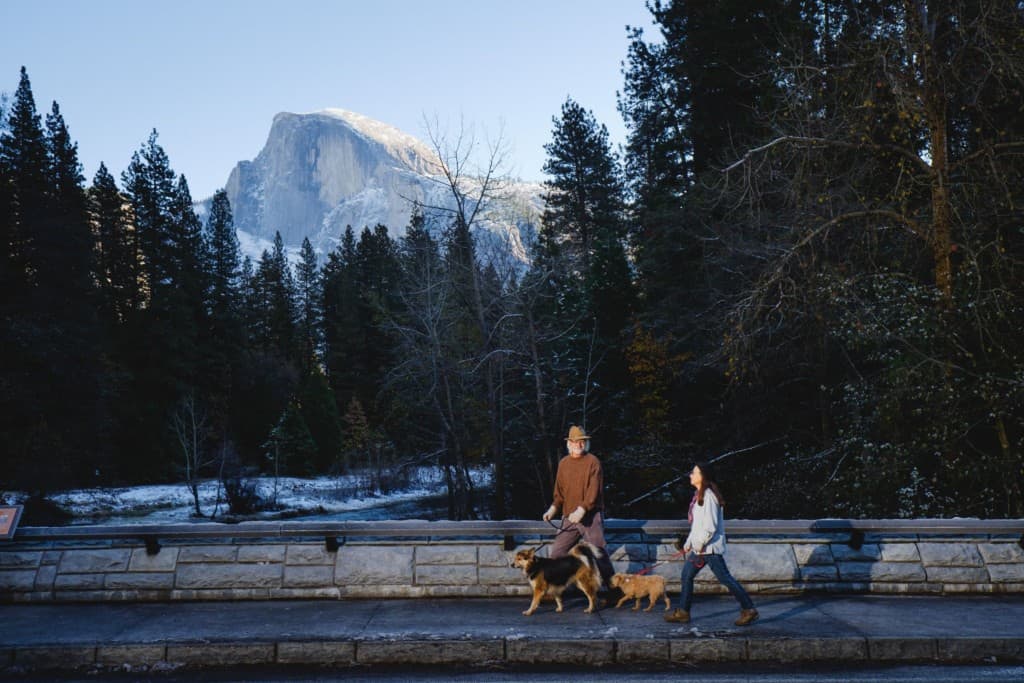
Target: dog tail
{"points": [[587, 552]]}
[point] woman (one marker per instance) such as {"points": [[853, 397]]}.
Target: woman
{"points": [[706, 545]]}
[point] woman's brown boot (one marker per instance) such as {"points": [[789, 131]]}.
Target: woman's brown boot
{"points": [[680, 616], [747, 617]]}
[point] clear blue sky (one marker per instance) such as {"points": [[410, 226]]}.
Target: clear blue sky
{"points": [[210, 75]]}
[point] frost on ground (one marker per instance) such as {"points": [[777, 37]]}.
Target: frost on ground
{"points": [[350, 496]]}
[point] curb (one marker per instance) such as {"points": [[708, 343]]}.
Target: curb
{"points": [[593, 653]]}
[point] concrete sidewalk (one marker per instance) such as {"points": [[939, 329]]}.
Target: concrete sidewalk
{"points": [[493, 632]]}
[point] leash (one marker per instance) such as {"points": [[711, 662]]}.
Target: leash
{"points": [[561, 528], [558, 530]]}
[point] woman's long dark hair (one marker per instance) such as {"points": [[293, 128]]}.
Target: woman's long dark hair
{"points": [[708, 483]]}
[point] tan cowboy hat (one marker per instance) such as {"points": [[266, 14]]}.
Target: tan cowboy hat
{"points": [[577, 434]]}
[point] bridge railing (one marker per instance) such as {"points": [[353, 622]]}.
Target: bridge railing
{"points": [[506, 528]]}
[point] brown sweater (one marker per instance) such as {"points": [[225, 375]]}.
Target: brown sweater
{"points": [[579, 482]]}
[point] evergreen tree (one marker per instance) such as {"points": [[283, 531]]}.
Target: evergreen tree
{"points": [[166, 356], [310, 308], [225, 300], [117, 251], [290, 448], [276, 327], [51, 399], [225, 261], [342, 328], [585, 219], [320, 411]]}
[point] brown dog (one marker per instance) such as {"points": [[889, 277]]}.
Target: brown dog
{"points": [[639, 586], [552, 576]]}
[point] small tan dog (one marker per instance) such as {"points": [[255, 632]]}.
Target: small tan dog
{"points": [[639, 586]]}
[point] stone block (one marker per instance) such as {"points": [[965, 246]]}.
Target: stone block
{"points": [[969, 588], [642, 652], [140, 581], [339, 652], [813, 554], [130, 655], [445, 554], [163, 561], [446, 575], [761, 562], [1001, 553], [869, 552], [222, 594], [78, 582], [263, 554], [819, 573], [881, 571], [301, 554], [434, 652], [94, 561], [55, 657], [494, 556], [312, 593], [307, 576], [204, 576], [45, 576], [578, 652], [1006, 573], [957, 574], [51, 556], [382, 565], [500, 576], [900, 552], [221, 654], [20, 559], [807, 649], [206, 554], [707, 650], [952, 554], [980, 649], [901, 649], [20, 580]]}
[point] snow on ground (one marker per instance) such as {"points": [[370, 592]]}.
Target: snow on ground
{"points": [[351, 496]]}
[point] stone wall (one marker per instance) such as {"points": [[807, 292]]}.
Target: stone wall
{"points": [[251, 569]]}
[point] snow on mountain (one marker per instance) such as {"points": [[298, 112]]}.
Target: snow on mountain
{"points": [[322, 171]]}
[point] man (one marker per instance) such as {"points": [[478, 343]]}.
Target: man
{"points": [[579, 493]]}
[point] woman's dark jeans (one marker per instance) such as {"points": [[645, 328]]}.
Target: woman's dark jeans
{"points": [[721, 572]]}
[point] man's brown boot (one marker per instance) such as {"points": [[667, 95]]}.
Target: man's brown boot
{"points": [[747, 617], [680, 616]]}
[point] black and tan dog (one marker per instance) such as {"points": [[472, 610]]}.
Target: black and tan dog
{"points": [[552, 576]]}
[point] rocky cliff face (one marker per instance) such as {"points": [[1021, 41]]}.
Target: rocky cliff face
{"points": [[321, 172]]}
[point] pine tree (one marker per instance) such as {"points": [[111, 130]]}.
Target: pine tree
{"points": [[342, 327], [167, 355], [310, 308], [50, 400], [290, 448], [117, 252], [149, 184], [584, 225], [224, 299], [276, 288], [24, 161], [320, 411]]}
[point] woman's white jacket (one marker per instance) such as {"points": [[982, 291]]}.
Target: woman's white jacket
{"points": [[707, 533]]}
